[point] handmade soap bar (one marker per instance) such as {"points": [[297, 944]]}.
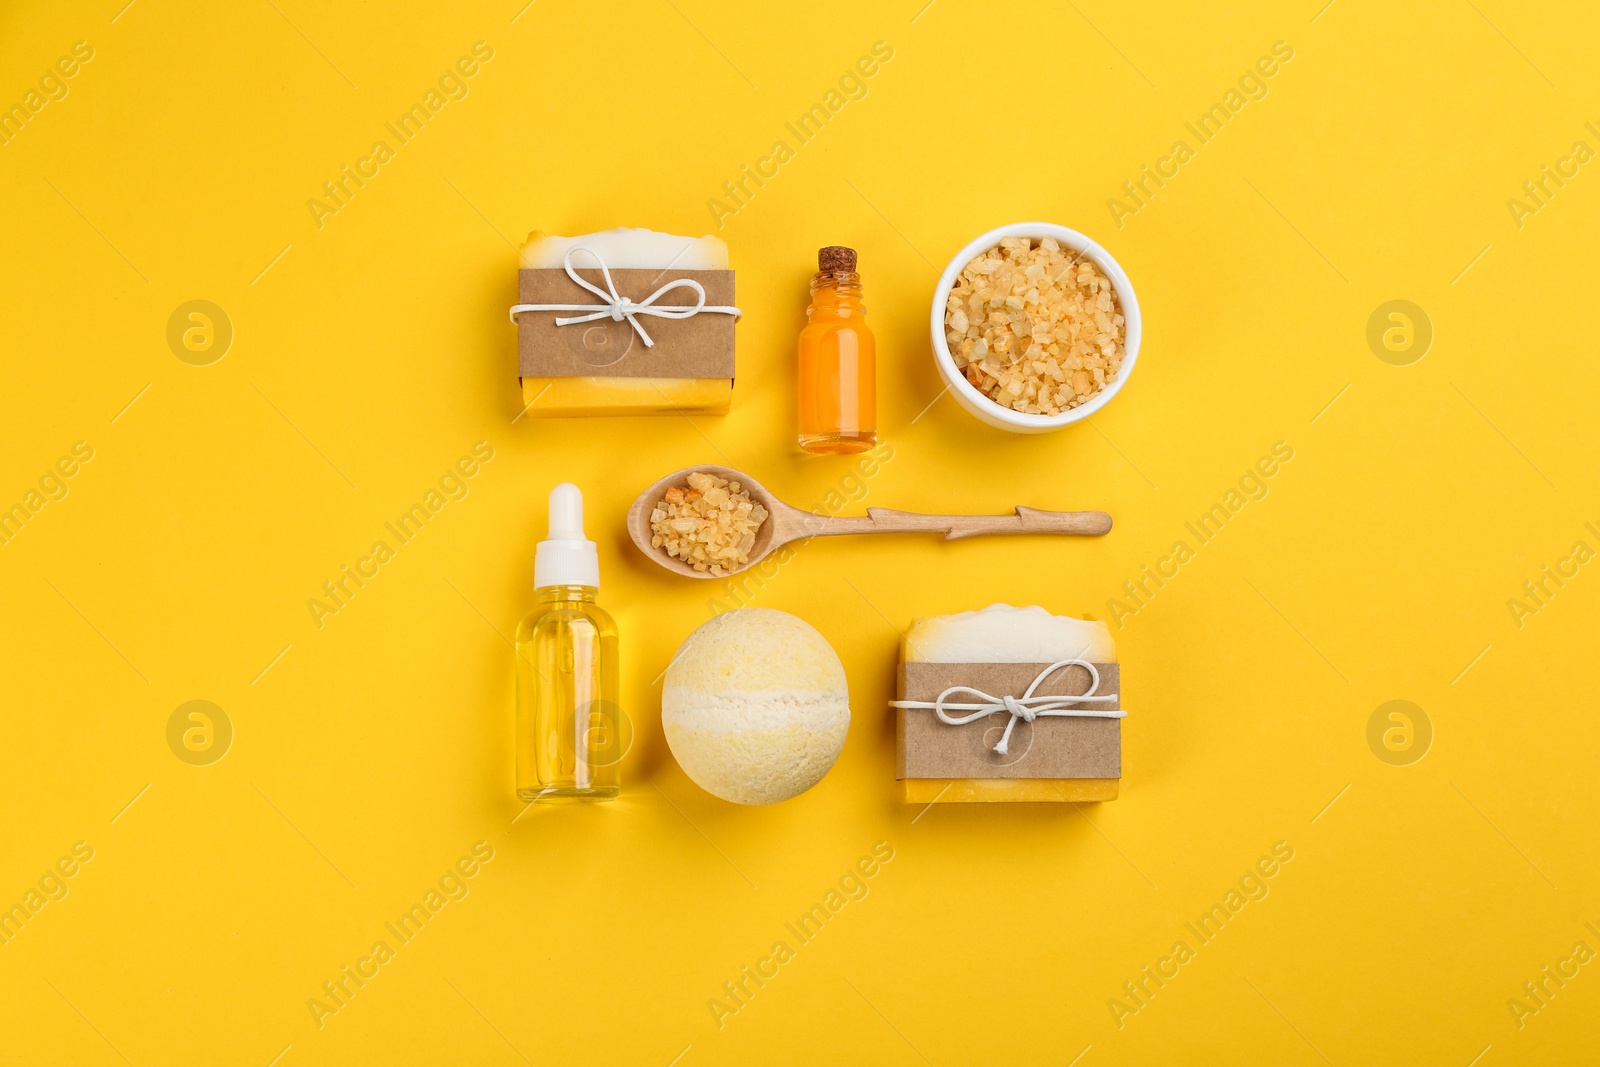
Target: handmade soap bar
{"points": [[1003, 648], [647, 260]]}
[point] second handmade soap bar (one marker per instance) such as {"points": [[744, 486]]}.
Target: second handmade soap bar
{"points": [[601, 367], [999, 652]]}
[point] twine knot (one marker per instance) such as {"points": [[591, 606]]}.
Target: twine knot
{"points": [[1026, 707], [617, 308], [1018, 709]]}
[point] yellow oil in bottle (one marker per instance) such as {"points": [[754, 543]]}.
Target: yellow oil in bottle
{"points": [[570, 728]]}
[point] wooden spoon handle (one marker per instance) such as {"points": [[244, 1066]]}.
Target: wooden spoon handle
{"points": [[1024, 521]]}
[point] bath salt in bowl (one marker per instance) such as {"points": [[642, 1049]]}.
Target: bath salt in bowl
{"points": [[1034, 327]]}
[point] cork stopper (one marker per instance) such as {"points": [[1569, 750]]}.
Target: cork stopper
{"points": [[836, 259]]}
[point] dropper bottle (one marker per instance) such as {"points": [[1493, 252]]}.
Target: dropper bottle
{"points": [[569, 725]]}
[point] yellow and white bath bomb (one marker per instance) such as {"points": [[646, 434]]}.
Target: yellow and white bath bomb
{"points": [[755, 706]]}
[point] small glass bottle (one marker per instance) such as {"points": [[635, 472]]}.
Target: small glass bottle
{"points": [[838, 361], [569, 725]]}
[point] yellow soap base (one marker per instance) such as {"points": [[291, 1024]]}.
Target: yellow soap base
{"points": [[549, 398], [1009, 790]]}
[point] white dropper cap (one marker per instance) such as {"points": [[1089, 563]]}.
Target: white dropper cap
{"points": [[565, 556]]}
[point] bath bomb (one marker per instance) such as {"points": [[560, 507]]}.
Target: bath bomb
{"points": [[755, 706]]}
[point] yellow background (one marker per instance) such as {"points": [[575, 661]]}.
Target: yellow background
{"points": [[369, 755]]}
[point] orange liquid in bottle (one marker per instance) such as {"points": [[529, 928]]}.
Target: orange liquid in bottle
{"points": [[838, 362]]}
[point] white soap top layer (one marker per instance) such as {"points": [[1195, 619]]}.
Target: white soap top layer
{"points": [[625, 249], [1001, 633]]}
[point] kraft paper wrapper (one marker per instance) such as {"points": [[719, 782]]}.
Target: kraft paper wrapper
{"points": [[697, 347], [1048, 747]]}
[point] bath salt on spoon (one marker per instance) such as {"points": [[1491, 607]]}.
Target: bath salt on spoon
{"points": [[785, 523]]}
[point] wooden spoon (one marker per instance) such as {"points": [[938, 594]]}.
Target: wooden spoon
{"points": [[786, 523]]}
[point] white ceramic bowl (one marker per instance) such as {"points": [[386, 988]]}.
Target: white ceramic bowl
{"points": [[967, 394]]}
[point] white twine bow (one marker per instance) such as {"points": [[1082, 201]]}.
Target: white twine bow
{"points": [[617, 307], [1026, 707]]}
